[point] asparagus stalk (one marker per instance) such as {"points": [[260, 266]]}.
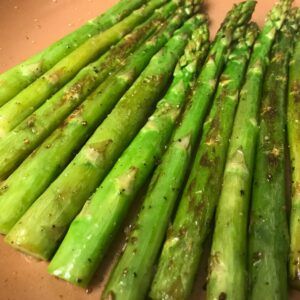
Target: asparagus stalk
{"points": [[27, 183], [133, 273], [20, 76], [29, 99], [227, 273], [94, 228], [44, 120], [182, 250], [294, 149], [268, 240], [42, 227]]}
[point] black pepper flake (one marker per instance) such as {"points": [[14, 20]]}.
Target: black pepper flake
{"points": [[222, 296]]}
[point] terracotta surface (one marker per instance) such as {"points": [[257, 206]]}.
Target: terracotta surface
{"points": [[25, 28]]}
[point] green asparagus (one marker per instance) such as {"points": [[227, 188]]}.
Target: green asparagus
{"points": [[133, 273], [44, 120], [227, 270], [29, 99], [42, 227], [20, 76], [268, 240], [182, 250], [94, 228], [26, 184], [294, 144]]}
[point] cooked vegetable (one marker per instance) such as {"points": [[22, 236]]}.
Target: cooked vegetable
{"points": [[133, 273], [82, 132], [27, 183], [29, 99], [20, 76], [228, 267], [294, 144], [43, 226], [269, 240], [103, 214], [182, 250], [44, 120]]}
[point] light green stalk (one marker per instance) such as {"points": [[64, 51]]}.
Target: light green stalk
{"points": [[228, 267], [183, 248], [29, 99], [294, 144], [33, 130], [92, 231], [43, 226], [20, 76], [133, 273], [27, 183]]}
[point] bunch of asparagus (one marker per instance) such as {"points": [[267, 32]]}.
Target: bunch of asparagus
{"points": [[138, 99]]}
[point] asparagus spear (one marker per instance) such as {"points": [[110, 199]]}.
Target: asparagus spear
{"points": [[20, 76], [94, 228], [22, 105], [294, 148], [268, 240], [133, 273], [227, 274], [28, 182], [182, 250], [44, 120], [42, 227]]}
